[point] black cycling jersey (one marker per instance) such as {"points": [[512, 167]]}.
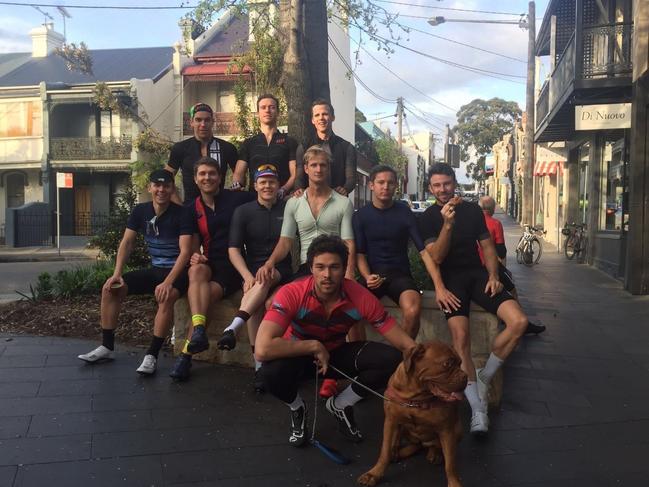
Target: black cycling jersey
{"points": [[469, 228], [257, 152], [382, 236], [259, 229], [185, 153], [343, 167], [161, 233], [213, 225]]}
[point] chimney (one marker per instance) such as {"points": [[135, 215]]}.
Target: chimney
{"points": [[45, 39]]}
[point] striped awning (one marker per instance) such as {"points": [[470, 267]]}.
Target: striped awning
{"points": [[547, 168]]}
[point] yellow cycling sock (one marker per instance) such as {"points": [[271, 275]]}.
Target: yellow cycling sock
{"points": [[198, 320], [185, 351]]}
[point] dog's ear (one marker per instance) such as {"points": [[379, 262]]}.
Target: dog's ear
{"points": [[411, 356]]}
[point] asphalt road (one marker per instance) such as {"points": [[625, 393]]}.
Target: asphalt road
{"points": [[16, 276]]}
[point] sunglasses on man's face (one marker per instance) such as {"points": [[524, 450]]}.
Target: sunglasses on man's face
{"points": [[152, 227]]}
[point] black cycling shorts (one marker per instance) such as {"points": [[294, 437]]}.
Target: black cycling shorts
{"points": [[226, 276], [468, 285], [396, 282], [144, 281], [284, 270], [506, 278]]}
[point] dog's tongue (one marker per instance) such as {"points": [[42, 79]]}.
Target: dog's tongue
{"points": [[446, 396]]}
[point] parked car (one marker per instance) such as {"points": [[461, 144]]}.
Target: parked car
{"points": [[420, 206]]}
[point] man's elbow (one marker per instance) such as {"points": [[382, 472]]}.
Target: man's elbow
{"points": [[261, 351]]}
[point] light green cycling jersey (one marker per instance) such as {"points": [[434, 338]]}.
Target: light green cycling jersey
{"points": [[335, 218]]}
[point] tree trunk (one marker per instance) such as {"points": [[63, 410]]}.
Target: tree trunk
{"points": [[296, 81], [317, 46]]}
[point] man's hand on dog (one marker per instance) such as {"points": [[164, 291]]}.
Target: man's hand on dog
{"points": [[447, 301], [321, 356]]}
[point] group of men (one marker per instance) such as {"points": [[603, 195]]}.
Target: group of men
{"points": [[308, 321]]}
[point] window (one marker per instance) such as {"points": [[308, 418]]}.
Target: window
{"points": [[15, 190], [20, 119], [613, 185], [584, 156]]}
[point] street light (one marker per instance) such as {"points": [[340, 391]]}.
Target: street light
{"points": [[526, 21], [522, 22]]}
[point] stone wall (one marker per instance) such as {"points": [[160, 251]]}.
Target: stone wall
{"points": [[484, 327]]}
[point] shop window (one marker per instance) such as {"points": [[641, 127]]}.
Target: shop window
{"points": [[613, 185], [584, 157]]}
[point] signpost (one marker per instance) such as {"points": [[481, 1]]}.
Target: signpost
{"points": [[63, 180]]}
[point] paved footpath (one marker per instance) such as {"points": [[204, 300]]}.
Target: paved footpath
{"points": [[575, 410]]}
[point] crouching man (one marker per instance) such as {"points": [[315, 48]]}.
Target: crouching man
{"points": [[168, 235], [308, 322]]}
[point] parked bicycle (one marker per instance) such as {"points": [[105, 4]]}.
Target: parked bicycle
{"points": [[576, 241], [529, 248]]}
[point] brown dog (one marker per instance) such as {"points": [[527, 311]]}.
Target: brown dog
{"points": [[430, 381]]}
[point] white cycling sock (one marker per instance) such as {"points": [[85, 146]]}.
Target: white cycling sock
{"points": [[471, 393], [236, 324], [297, 403], [490, 368], [346, 398]]}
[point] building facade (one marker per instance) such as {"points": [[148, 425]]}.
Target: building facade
{"points": [[583, 126]]}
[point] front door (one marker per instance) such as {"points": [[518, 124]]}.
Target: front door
{"points": [[82, 211]]}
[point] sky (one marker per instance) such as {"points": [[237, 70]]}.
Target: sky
{"points": [[431, 81]]}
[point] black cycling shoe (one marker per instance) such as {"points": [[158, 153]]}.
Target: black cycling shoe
{"points": [[227, 341], [534, 329], [298, 432], [346, 423], [182, 368], [199, 341]]}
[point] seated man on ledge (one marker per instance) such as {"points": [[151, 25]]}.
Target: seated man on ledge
{"points": [[308, 321], [169, 241]]}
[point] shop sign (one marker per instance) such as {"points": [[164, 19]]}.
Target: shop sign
{"points": [[599, 117], [64, 180], [550, 154]]}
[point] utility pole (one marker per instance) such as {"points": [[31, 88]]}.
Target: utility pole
{"points": [[528, 168], [404, 189]]}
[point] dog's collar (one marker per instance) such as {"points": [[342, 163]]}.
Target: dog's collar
{"points": [[432, 402]]}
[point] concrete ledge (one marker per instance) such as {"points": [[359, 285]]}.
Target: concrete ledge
{"points": [[484, 328]]}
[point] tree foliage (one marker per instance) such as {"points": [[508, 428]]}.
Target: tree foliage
{"points": [[108, 240], [77, 58], [480, 124], [389, 154]]}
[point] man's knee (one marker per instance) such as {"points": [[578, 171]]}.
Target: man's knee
{"points": [[517, 324], [199, 273], [168, 303]]}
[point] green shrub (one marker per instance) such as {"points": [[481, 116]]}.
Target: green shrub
{"points": [[418, 270], [108, 240]]}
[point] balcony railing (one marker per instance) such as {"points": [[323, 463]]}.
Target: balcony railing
{"points": [[225, 123], [90, 148], [543, 103], [607, 51]]}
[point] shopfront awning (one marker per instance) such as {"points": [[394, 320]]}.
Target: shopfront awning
{"points": [[548, 168], [213, 70]]}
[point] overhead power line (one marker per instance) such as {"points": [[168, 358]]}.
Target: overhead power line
{"points": [[465, 45], [401, 79], [360, 81], [105, 7], [446, 8]]}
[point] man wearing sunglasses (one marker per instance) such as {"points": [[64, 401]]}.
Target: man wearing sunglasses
{"points": [[211, 275], [254, 232], [269, 146], [168, 236], [203, 144]]}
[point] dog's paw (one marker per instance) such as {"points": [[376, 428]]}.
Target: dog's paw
{"points": [[435, 456], [368, 479]]}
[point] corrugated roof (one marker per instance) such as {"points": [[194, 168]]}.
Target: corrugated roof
{"points": [[107, 65], [227, 40], [11, 60]]}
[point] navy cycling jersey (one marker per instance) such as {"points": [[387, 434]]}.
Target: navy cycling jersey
{"points": [[382, 236], [259, 229], [161, 233], [213, 226]]}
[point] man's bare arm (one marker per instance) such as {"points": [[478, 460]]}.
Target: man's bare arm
{"points": [[174, 196]]}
